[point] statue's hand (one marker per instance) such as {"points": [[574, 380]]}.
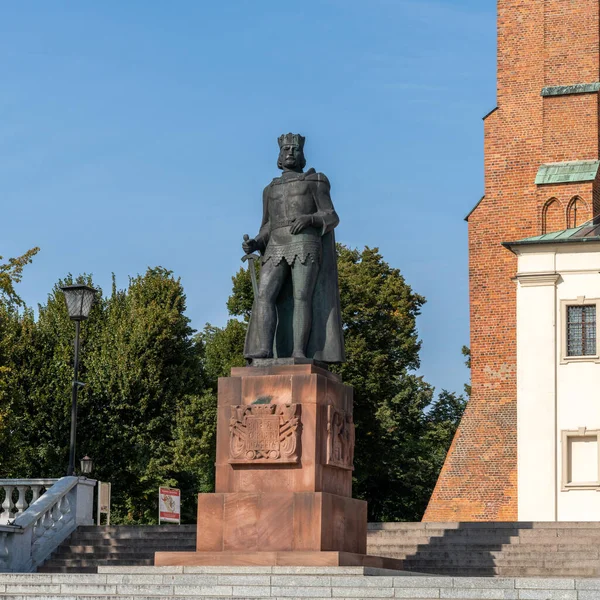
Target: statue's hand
{"points": [[301, 223], [249, 246]]}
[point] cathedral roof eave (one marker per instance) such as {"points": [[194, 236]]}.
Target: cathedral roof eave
{"points": [[586, 233]]}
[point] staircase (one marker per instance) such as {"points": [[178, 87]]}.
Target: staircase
{"points": [[90, 547], [491, 549], [146, 583], [459, 549]]}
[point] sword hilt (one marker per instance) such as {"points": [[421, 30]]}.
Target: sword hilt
{"points": [[250, 255]]}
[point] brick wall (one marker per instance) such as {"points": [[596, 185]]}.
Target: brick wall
{"points": [[540, 43]]}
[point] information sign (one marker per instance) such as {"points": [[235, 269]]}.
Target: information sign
{"points": [[169, 505]]}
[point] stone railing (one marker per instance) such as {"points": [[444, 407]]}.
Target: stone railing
{"points": [[35, 533], [22, 489]]}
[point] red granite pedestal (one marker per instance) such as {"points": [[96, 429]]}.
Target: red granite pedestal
{"points": [[285, 449]]}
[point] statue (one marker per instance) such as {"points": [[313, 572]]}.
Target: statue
{"points": [[296, 311]]}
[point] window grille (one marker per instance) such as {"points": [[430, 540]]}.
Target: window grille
{"points": [[581, 330]]}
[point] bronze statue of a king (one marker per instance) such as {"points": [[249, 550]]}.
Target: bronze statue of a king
{"points": [[296, 311]]}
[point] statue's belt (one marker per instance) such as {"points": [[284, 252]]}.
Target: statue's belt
{"points": [[285, 223]]}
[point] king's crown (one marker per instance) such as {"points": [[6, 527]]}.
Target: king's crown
{"points": [[291, 139]]}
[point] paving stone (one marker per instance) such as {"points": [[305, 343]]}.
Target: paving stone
{"points": [[354, 581], [194, 579], [420, 582], [138, 569], [483, 582], [545, 594], [44, 596], [203, 590], [239, 580], [137, 578], [544, 583], [307, 592], [588, 594], [587, 584], [479, 594], [416, 593], [137, 589], [87, 590], [24, 588], [227, 570], [81, 578], [251, 591], [362, 592], [25, 578], [386, 572], [301, 580], [293, 598], [317, 570]]}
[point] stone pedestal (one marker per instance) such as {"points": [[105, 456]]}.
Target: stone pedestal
{"points": [[285, 450]]}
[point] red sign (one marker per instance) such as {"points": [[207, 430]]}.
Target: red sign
{"points": [[169, 505]]}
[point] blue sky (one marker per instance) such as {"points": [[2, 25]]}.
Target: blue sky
{"points": [[141, 133]]}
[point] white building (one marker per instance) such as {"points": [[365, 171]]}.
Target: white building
{"points": [[558, 375]]}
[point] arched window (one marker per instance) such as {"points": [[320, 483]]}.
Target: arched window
{"points": [[553, 216], [576, 212]]}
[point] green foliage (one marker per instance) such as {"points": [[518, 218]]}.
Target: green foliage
{"points": [[144, 414], [239, 303], [466, 352], [11, 273], [223, 349]]}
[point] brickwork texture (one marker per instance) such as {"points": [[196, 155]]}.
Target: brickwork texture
{"points": [[540, 43]]}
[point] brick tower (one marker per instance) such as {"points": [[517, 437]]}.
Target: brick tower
{"points": [[541, 174]]}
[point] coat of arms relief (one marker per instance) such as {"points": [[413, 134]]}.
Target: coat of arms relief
{"points": [[265, 433]]}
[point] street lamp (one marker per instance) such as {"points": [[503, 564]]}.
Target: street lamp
{"points": [[79, 299], [87, 464]]}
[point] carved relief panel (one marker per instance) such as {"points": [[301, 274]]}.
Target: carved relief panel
{"points": [[265, 434], [340, 438]]}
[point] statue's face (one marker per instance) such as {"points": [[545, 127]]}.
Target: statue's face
{"points": [[290, 157]]}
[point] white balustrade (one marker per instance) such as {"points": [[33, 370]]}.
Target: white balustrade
{"points": [[12, 508], [38, 530]]}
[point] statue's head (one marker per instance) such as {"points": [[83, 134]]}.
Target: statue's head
{"points": [[291, 152]]}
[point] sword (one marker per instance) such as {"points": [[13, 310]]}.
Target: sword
{"points": [[251, 258]]}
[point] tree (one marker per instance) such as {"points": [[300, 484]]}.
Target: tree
{"points": [[143, 371], [12, 273], [466, 352], [15, 333], [143, 409]]}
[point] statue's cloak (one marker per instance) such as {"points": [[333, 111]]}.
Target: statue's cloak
{"points": [[326, 342]]}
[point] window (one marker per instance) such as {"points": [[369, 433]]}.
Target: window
{"points": [[577, 212], [580, 459], [581, 330], [553, 216]]}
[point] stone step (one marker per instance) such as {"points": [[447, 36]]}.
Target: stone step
{"points": [[59, 569], [122, 549], [485, 525], [95, 562], [138, 528], [501, 562], [130, 535], [460, 556], [570, 549], [284, 582], [487, 541], [459, 548], [133, 543]]}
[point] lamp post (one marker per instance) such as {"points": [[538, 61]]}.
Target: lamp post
{"points": [[79, 299], [87, 464]]}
